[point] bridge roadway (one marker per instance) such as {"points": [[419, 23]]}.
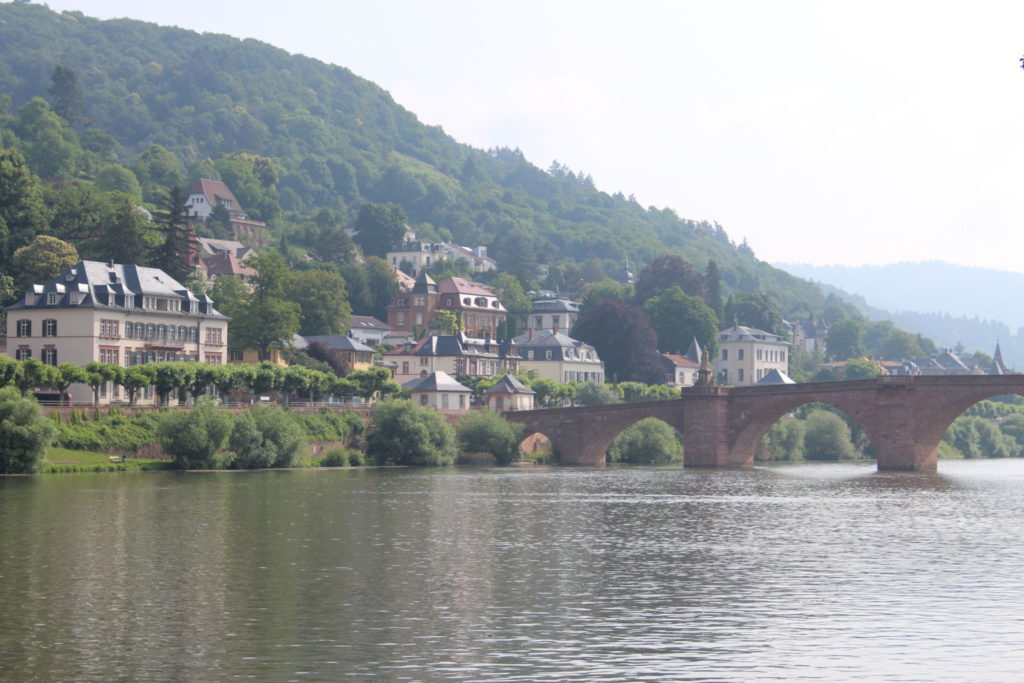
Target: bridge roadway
{"points": [[904, 417]]}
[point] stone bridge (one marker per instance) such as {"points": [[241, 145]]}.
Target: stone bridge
{"points": [[904, 417]]}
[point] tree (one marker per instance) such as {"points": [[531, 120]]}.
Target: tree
{"points": [[267, 436], [900, 345], [715, 300], [861, 368], [25, 433], [406, 434], [322, 300], [827, 437], [262, 320], [666, 272], [488, 432], [172, 256], [42, 260], [10, 370], [117, 178], [22, 212], [678, 319], [379, 227], [374, 381], [66, 375], [67, 97], [136, 378], [126, 235], [624, 340], [845, 340], [545, 391], [34, 375], [754, 310], [98, 374], [594, 394], [50, 145], [193, 437], [785, 440], [170, 376], [157, 169], [219, 223], [648, 442], [510, 292]]}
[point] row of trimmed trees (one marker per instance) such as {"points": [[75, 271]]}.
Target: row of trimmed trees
{"points": [[194, 379]]}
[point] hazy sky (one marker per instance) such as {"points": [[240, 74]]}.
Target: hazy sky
{"points": [[822, 132]]}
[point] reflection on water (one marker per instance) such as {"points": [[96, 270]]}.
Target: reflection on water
{"points": [[795, 572]]}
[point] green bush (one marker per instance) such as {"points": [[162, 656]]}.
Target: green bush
{"points": [[193, 437], [828, 437], [488, 432], [25, 433], [648, 442], [402, 433], [329, 425], [267, 436], [785, 440], [341, 457]]}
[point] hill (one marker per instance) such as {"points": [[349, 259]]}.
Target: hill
{"points": [[303, 142]]}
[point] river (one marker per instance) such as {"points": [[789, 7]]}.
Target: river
{"points": [[794, 572]]}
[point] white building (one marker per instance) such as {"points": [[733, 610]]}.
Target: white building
{"points": [[119, 314], [554, 314], [559, 357], [747, 354], [440, 391]]}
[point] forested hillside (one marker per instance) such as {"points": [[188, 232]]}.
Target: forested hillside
{"points": [[135, 107]]}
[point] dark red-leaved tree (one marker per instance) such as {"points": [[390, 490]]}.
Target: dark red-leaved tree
{"points": [[624, 340]]}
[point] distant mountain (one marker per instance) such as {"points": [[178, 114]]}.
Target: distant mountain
{"points": [[928, 287]]}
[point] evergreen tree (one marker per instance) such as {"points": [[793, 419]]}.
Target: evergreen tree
{"points": [[67, 97], [173, 254]]}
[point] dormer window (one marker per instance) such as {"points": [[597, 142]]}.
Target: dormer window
{"points": [[52, 298]]}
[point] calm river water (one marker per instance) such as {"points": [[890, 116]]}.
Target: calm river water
{"points": [[801, 572]]}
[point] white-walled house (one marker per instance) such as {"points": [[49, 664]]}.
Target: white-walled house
{"points": [[509, 394], [440, 391], [120, 314], [747, 354], [559, 357]]}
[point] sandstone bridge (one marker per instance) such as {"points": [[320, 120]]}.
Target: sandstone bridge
{"points": [[904, 417]]}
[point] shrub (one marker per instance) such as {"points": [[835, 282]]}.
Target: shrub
{"points": [[193, 437], [828, 437], [406, 434], [487, 431], [593, 394], [267, 436], [785, 440], [649, 442], [335, 457], [25, 433]]}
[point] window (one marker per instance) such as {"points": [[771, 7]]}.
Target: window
{"points": [[419, 318], [50, 356], [725, 354], [538, 322], [52, 298], [739, 354], [444, 401], [23, 353], [263, 355], [547, 355], [405, 367], [400, 319], [213, 358], [424, 360], [529, 355], [109, 355], [739, 375], [556, 321], [423, 399], [236, 354], [110, 328], [50, 328], [214, 335], [24, 328], [419, 301], [759, 354], [462, 401]]}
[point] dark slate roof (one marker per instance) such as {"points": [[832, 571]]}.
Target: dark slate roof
{"points": [[116, 286], [743, 333], [509, 385], [337, 342], [554, 305], [555, 341], [367, 322], [439, 380], [456, 345], [776, 377]]}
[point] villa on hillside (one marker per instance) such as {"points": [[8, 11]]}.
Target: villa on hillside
{"points": [[477, 309], [206, 194], [747, 354], [119, 314], [456, 354]]}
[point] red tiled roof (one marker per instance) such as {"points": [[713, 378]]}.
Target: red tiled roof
{"points": [[213, 189], [682, 361], [458, 285]]}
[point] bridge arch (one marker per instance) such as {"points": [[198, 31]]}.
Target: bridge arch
{"points": [[751, 427]]}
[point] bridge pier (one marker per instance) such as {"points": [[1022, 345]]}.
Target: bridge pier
{"points": [[706, 430]]}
